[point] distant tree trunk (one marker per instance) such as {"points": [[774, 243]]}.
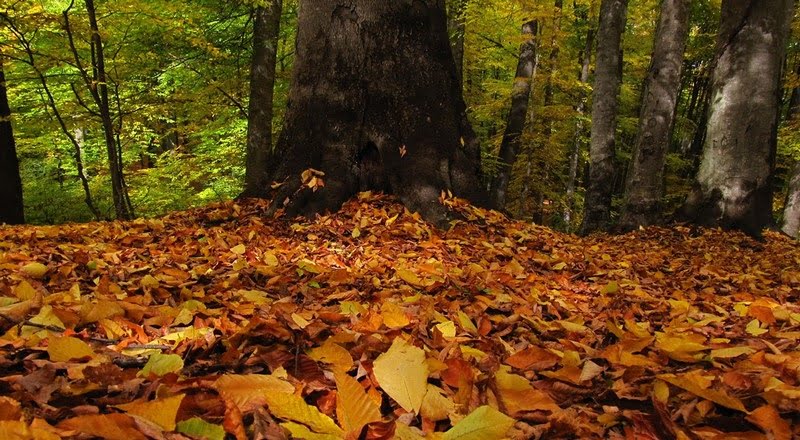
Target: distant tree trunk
{"points": [[266, 30], [77, 153], [577, 142], [608, 77], [11, 207], [791, 210], [375, 104], [733, 186], [645, 186], [456, 27], [515, 124], [100, 87]]}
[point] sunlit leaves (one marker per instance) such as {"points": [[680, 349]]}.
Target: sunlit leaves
{"points": [[403, 374]]}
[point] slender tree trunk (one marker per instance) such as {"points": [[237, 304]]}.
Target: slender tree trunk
{"points": [[384, 114], [77, 153], [515, 124], [733, 186], [794, 100], [577, 140], [645, 187], [266, 30], [11, 207], [457, 26], [119, 193], [608, 77]]}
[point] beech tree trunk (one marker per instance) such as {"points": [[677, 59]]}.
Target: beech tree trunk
{"points": [[733, 186], [791, 210], [608, 77], [375, 104], [266, 30], [645, 186], [11, 208], [515, 124]]}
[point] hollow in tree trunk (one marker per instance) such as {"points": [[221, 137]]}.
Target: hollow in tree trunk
{"points": [[266, 27], [733, 185], [375, 105], [645, 186], [608, 77], [11, 211]]}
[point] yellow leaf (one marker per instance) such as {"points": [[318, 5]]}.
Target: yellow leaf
{"points": [[162, 412], [334, 354], [447, 328], [435, 406], [34, 270], [302, 432], [466, 323], [409, 277], [485, 423], [300, 321], [732, 352], [405, 432], [697, 384], [64, 349], [271, 260], [754, 328], [519, 395], [249, 391], [661, 391], [403, 374], [15, 430], [393, 315], [294, 408], [239, 249], [162, 364], [354, 408], [114, 426], [25, 291]]}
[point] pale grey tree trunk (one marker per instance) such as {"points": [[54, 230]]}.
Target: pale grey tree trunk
{"points": [[515, 124], [791, 211], [266, 29], [733, 186], [645, 186], [608, 77]]}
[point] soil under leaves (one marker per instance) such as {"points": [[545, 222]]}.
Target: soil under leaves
{"points": [[369, 323]]}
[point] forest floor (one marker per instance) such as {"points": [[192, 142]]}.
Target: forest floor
{"points": [[220, 322]]}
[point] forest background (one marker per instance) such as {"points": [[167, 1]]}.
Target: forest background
{"points": [[179, 84]]}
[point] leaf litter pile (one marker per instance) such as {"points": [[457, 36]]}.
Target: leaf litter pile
{"points": [[370, 324]]}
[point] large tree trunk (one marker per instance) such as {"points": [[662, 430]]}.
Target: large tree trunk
{"points": [[515, 124], [266, 29], [11, 208], [645, 187], [733, 186], [608, 77], [375, 105]]}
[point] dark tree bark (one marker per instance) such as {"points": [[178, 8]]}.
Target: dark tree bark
{"points": [[457, 26], [794, 100], [733, 186], [11, 207], [515, 124], [266, 30], [608, 77], [645, 186], [375, 105]]}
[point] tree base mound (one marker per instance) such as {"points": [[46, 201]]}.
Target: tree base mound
{"points": [[187, 322]]}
